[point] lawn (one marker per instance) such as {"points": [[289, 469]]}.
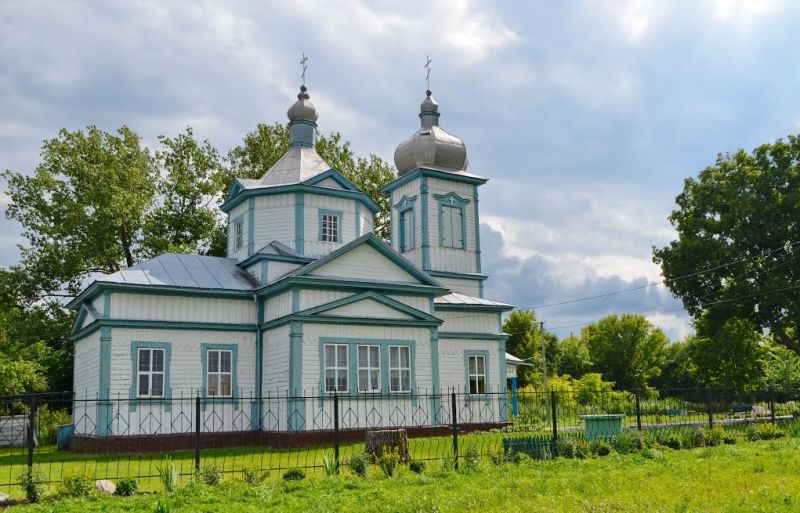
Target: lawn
{"points": [[749, 476]]}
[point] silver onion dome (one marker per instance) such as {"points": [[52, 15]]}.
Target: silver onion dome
{"points": [[302, 108], [430, 145]]}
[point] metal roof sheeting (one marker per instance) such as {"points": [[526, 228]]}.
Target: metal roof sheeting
{"points": [[188, 271], [456, 298]]}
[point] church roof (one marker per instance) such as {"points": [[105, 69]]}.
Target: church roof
{"points": [[458, 299], [297, 165], [186, 271]]}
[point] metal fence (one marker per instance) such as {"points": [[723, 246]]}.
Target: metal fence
{"points": [[111, 438]]}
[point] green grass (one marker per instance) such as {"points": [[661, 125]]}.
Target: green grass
{"points": [[745, 477]]}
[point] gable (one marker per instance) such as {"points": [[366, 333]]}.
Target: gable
{"points": [[330, 183], [364, 263], [367, 308]]}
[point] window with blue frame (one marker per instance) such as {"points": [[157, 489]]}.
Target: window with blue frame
{"points": [[405, 223], [406, 230], [219, 374], [399, 369], [476, 374], [238, 234], [373, 366], [330, 225], [336, 368], [452, 220], [369, 368], [150, 373]]}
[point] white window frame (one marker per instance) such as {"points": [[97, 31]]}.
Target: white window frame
{"points": [[370, 368], [476, 377], [149, 373], [336, 368], [219, 373], [330, 227], [238, 234], [398, 368]]}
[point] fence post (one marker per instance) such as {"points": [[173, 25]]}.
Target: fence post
{"points": [[336, 430], [454, 416], [638, 409], [554, 409], [31, 430], [197, 433], [709, 408], [772, 404]]}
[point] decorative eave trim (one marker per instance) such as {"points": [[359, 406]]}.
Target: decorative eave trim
{"points": [[331, 319], [344, 284], [165, 290], [372, 240], [458, 276], [258, 257], [374, 296], [231, 202], [336, 176], [434, 173], [462, 308], [85, 309], [162, 325], [472, 336]]}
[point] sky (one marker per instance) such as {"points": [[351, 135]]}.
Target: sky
{"points": [[585, 115]]}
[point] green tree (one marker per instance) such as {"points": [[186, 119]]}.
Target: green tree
{"points": [[726, 353], [82, 210], [626, 349], [573, 357], [781, 367], [263, 147], [678, 370], [185, 216], [525, 341], [737, 223]]}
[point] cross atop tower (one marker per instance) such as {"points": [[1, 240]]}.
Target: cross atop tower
{"points": [[428, 72], [305, 67]]}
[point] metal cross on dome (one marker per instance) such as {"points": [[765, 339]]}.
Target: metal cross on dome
{"points": [[305, 67], [428, 73]]}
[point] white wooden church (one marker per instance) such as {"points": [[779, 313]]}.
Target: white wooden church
{"points": [[308, 303]]}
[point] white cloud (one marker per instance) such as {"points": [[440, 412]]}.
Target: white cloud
{"points": [[745, 13]]}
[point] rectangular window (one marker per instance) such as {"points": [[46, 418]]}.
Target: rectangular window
{"points": [[238, 234], [336, 368], [477, 374], [219, 373], [406, 231], [150, 374], [330, 228], [399, 369], [452, 224], [369, 368]]}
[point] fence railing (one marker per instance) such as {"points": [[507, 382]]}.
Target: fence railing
{"points": [[110, 438]]}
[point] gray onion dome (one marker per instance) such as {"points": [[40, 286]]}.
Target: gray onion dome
{"points": [[302, 108], [431, 146]]}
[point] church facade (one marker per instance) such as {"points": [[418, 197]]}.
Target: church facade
{"points": [[309, 303]]}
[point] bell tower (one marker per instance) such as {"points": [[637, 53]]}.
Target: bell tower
{"points": [[435, 221]]}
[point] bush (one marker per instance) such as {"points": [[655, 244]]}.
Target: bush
{"points": [[126, 487], [763, 432], [651, 454], [573, 448], [253, 475], [630, 441], [389, 461], [31, 481], [77, 486], [359, 464], [448, 463], [47, 423], [600, 447], [294, 474], [168, 475], [210, 475], [693, 438], [671, 440], [471, 459], [715, 436], [330, 465], [520, 458], [417, 467]]}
